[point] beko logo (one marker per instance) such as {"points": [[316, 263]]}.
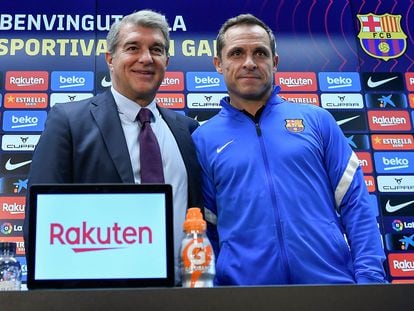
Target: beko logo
{"points": [[20, 121], [200, 81], [86, 238], [344, 81], [397, 161], [72, 80]]}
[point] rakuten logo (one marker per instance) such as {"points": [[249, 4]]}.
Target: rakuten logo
{"points": [[87, 238], [389, 120], [409, 80], [173, 81], [12, 207], [401, 264], [27, 80], [296, 81]]}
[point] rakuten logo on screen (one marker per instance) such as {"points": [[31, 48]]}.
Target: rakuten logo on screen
{"points": [[87, 233], [85, 237]]}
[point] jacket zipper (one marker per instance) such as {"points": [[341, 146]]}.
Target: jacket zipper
{"points": [[273, 197]]}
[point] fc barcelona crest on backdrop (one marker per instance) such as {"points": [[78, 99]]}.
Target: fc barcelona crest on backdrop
{"points": [[381, 36]]}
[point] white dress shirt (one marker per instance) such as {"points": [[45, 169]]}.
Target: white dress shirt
{"points": [[175, 173]]}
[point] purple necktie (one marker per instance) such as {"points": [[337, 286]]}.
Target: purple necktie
{"points": [[150, 154]]}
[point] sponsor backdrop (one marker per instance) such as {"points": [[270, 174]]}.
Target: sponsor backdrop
{"points": [[354, 58]]}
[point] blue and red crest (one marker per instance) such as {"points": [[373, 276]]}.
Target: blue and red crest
{"points": [[381, 36]]}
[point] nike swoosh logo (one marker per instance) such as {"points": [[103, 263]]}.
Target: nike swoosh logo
{"points": [[373, 84], [105, 83], [12, 166], [393, 208], [224, 146], [343, 121]]}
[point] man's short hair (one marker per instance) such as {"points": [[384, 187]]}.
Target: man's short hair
{"points": [[243, 19], [144, 18]]}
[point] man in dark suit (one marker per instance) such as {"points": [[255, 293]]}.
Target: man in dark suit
{"points": [[96, 140]]}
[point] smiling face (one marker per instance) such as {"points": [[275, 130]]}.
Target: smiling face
{"points": [[139, 63], [247, 64]]}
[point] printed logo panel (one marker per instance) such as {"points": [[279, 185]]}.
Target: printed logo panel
{"points": [[383, 81], [393, 142], [12, 207], [26, 100], [411, 100], [370, 183], [24, 121], [72, 81], [386, 120], [339, 82], [102, 81], [19, 142], [398, 224], [350, 121], [298, 98], [365, 161], [358, 142], [13, 184], [27, 80], [397, 205], [56, 98], [386, 100], [401, 264], [205, 82], [15, 163], [203, 101], [400, 183], [170, 100], [342, 101], [399, 242], [409, 80], [17, 239], [296, 81], [11, 227], [173, 81], [202, 115], [394, 162]]}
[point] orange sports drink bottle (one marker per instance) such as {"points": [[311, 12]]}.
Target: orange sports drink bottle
{"points": [[197, 256]]}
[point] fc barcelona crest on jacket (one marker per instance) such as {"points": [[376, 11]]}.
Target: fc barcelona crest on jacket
{"points": [[294, 125], [381, 36]]}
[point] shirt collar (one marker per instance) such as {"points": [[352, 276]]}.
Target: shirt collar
{"points": [[129, 108]]}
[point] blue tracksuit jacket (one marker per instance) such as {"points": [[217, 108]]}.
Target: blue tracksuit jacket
{"points": [[285, 199]]}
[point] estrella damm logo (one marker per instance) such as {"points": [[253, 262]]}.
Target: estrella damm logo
{"points": [[294, 125], [381, 36]]}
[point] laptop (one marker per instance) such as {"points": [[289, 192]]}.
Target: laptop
{"points": [[100, 235]]}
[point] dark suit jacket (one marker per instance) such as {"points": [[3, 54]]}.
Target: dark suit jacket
{"points": [[83, 142]]}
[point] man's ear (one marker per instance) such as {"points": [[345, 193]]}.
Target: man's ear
{"points": [[217, 64], [109, 58]]}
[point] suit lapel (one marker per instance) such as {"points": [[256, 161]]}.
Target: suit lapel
{"points": [[105, 112]]}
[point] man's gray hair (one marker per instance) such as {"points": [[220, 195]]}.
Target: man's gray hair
{"points": [[144, 18]]}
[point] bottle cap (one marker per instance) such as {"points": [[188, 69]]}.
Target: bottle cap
{"points": [[194, 220]]}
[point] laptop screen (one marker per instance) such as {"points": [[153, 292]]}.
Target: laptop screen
{"points": [[100, 236]]}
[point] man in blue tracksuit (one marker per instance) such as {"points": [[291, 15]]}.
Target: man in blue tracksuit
{"points": [[285, 198]]}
